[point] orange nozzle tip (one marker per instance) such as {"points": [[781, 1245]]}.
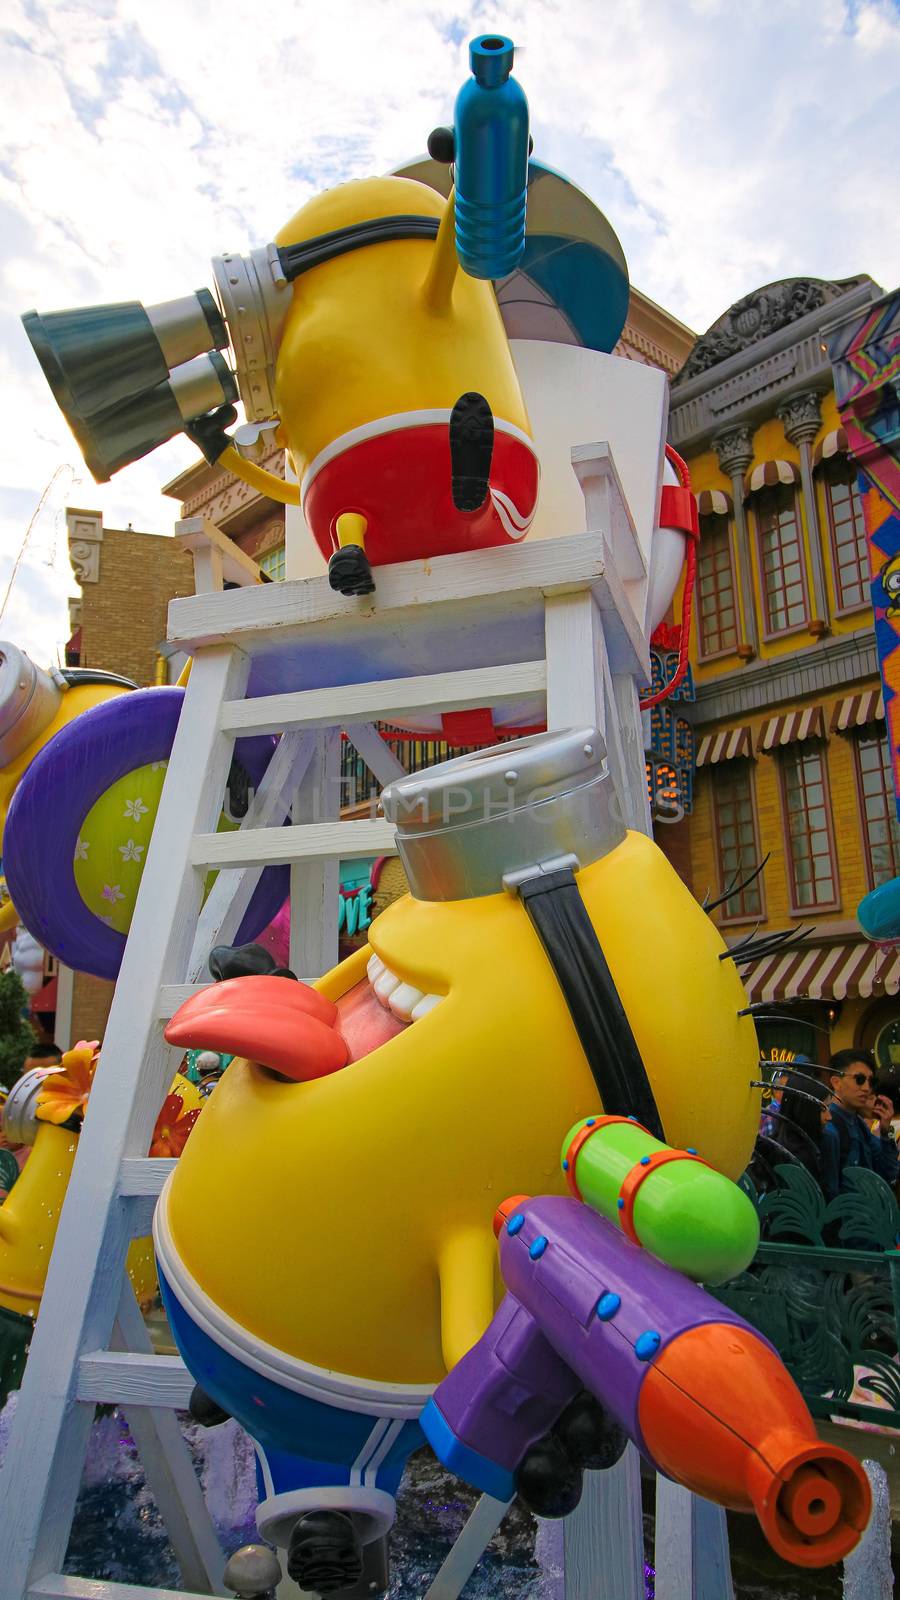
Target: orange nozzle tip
{"points": [[817, 1506], [507, 1209]]}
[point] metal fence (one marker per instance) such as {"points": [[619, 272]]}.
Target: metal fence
{"points": [[830, 1308], [359, 786]]}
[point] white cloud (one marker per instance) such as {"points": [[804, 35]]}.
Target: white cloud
{"points": [[730, 142]]}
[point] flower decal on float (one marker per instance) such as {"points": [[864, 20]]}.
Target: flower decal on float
{"points": [[173, 1126], [66, 1093]]}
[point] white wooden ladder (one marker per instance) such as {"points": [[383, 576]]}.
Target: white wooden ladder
{"points": [[546, 622]]}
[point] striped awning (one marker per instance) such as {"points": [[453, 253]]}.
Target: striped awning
{"points": [[834, 444], [825, 972], [727, 746], [714, 503], [791, 728], [856, 710], [768, 475]]}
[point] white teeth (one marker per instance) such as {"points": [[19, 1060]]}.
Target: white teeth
{"points": [[385, 984], [404, 1000], [426, 1004]]}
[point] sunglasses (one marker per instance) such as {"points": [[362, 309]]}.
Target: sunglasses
{"points": [[860, 1078]]}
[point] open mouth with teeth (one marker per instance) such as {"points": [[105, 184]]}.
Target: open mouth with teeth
{"points": [[293, 1030]]}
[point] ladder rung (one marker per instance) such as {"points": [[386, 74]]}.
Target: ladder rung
{"points": [[386, 700], [144, 1175], [125, 1378], [310, 841], [173, 995], [60, 1586]]}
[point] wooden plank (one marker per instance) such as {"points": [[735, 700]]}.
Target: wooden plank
{"points": [[691, 1546], [124, 1378], [389, 700], [206, 541], [333, 841], [468, 1549], [576, 649], [603, 1539], [168, 1468], [625, 708], [144, 1175], [606, 508], [380, 760], [629, 650], [315, 881], [281, 611], [173, 995], [45, 1452]]}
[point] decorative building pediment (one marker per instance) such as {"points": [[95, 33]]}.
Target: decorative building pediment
{"points": [[758, 315]]}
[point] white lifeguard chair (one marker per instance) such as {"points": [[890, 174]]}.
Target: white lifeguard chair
{"points": [[553, 629]]}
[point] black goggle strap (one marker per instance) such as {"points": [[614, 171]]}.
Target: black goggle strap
{"points": [[298, 258], [560, 919]]}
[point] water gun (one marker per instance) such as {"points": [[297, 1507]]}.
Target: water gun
{"points": [[703, 1396]]}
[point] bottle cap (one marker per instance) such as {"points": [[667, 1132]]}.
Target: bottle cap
{"points": [[491, 59]]}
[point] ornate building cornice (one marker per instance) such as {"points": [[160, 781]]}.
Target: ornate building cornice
{"points": [[758, 315]]}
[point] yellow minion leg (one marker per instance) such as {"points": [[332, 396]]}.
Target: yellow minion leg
{"points": [[466, 1268], [438, 287], [351, 529]]}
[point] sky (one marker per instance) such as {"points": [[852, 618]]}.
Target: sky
{"points": [[729, 142]]}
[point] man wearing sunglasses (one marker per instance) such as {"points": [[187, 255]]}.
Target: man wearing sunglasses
{"points": [[847, 1140]]}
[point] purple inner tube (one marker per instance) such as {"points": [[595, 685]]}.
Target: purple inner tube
{"points": [[54, 796]]}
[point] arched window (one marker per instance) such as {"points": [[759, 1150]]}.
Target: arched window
{"points": [[717, 614], [847, 528], [782, 562], [878, 809]]}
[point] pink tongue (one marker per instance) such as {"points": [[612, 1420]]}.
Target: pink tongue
{"points": [[363, 1022]]}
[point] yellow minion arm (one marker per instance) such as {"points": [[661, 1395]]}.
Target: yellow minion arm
{"points": [[288, 494], [466, 1267], [438, 287]]}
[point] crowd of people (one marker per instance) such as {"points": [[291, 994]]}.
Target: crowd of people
{"points": [[829, 1120]]}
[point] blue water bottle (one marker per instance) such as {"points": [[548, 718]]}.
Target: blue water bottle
{"points": [[491, 155]]}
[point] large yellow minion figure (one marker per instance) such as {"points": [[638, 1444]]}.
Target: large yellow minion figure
{"points": [[367, 340], [546, 964]]}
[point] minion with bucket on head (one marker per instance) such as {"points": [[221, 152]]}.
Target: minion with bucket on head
{"points": [[386, 1111]]}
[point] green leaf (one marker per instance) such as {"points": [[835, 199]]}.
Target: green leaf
{"points": [[797, 1207], [866, 1210]]}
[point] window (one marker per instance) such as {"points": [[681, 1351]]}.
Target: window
{"points": [[272, 563], [881, 830], [781, 560], [807, 815], [849, 550], [737, 847], [716, 589]]}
